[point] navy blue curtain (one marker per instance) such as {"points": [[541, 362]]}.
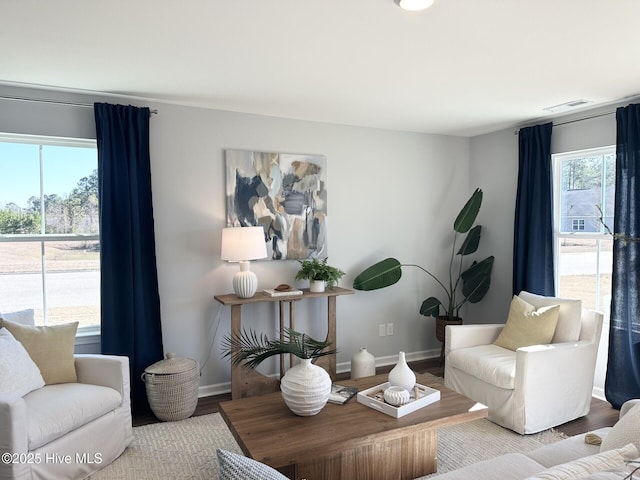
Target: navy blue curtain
{"points": [[533, 230], [130, 301], [623, 368]]}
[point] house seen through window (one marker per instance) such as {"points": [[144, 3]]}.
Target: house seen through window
{"points": [[49, 232], [584, 204]]}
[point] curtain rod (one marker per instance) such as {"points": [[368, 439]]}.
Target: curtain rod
{"points": [[576, 120], [56, 102]]}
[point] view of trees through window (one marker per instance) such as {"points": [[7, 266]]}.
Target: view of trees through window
{"points": [[584, 204], [49, 229]]}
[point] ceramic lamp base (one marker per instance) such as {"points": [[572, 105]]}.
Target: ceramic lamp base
{"points": [[245, 282]]}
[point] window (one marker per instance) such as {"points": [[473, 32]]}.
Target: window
{"points": [[584, 203], [578, 224], [49, 232]]}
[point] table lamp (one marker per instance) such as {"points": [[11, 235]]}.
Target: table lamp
{"points": [[242, 244]]}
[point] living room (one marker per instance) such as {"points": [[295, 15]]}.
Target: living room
{"points": [[392, 192]]}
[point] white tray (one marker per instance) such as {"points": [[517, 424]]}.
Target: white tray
{"points": [[427, 396]]}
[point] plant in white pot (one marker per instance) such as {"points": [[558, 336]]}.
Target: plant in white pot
{"points": [[319, 273], [305, 387]]}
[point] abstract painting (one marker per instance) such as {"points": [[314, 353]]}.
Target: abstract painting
{"points": [[286, 194]]}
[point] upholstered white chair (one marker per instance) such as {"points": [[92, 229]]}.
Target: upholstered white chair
{"points": [[534, 387], [53, 427]]}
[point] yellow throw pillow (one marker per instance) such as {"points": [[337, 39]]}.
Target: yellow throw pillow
{"points": [[527, 326], [50, 347]]}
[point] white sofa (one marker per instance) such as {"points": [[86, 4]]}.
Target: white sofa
{"points": [[535, 387], [564, 457], [68, 430]]}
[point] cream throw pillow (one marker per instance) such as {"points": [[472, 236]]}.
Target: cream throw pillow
{"points": [[527, 326], [50, 347], [18, 374], [626, 430]]}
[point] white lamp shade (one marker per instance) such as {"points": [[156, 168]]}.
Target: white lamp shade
{"points": [[415, 5], [243, 243]]}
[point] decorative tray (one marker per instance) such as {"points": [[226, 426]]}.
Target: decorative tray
{"points": [[374, 397]]}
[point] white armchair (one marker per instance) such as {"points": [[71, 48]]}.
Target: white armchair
{"points": [[68, 430], [530, 389]]}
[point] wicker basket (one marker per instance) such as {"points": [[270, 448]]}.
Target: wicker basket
{"points": [[172, 387]]}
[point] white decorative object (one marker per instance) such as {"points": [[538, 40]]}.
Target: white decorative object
{"points": [[305, 388], [363, 364], [401, 375], [317, 286], [396, 396], [420, 396], [241, 244]]}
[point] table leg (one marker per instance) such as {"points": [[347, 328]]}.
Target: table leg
{"points": [[236, 370]]}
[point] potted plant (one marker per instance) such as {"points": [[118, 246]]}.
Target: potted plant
{"points": [[464, 284], [319, 273], [305, 387]]}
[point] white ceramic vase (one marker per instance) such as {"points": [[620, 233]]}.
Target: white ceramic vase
{"points": [[401, 375], [317, 285], [305, 388], [363, 364]]}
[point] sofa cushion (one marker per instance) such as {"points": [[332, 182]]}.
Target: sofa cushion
{"points": [[50, 347], [583, 467], [569, 318], [18, 374], [626, 430], [511, 466], [238, 467], [55, 410], [566, 450], [23, 317], [527, 325], [490, 363]]}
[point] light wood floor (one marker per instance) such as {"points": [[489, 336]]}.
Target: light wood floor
{"points": [[601, 415]]}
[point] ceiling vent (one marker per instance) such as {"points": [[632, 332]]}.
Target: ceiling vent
{"points": [[563, 107]]}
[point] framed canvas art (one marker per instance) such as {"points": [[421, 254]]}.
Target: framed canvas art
{"points": [[286, 194]]}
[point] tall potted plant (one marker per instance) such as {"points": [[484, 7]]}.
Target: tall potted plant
{"points": [[464, 284]]}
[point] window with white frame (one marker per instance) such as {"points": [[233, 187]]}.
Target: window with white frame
{"points": [[49, 229], [584, 203]]}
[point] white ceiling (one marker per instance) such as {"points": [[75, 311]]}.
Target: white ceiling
{"points": [[462, 67]]}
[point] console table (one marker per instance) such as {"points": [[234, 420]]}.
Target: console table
{"points": [[245, 382]]}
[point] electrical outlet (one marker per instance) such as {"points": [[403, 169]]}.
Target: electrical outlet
{"points": [[382, 331], [389, 329]]}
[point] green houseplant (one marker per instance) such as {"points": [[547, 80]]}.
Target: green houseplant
{"points": [[305, 387], [316, 270], [464, 284]]}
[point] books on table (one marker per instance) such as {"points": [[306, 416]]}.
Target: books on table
{"points": [[341, 394], [284, 293]]}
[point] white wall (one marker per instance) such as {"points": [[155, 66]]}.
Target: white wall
{"points": [[494, 166], [389, 194]]}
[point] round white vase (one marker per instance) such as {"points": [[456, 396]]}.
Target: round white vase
{"points": [[401, 375], [305, 388], [363, 364], [317, 286]]}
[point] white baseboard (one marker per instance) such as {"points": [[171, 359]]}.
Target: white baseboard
{"points": [[344, 367]]}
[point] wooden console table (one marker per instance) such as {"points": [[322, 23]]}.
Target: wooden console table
{"points": [[246, 383]]}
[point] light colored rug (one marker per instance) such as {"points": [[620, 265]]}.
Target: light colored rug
{"points": [[187, 449]]}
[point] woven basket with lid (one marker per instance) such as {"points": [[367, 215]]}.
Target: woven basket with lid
{"points": [[172, 387]]}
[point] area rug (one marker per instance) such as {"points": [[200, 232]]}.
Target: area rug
{"points": [[187, 449]]}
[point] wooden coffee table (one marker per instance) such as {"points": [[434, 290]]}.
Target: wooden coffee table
{"points": [[346, 441]]}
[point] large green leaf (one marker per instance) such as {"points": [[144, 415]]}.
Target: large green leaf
{"points": [[471, 242], [466, 217], [380, 275], [476, 280], [430, 307]]}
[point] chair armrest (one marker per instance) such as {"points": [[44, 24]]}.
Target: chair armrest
{"points": [[464, 336], [104, 370], [558, 371], [13, 424]]}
